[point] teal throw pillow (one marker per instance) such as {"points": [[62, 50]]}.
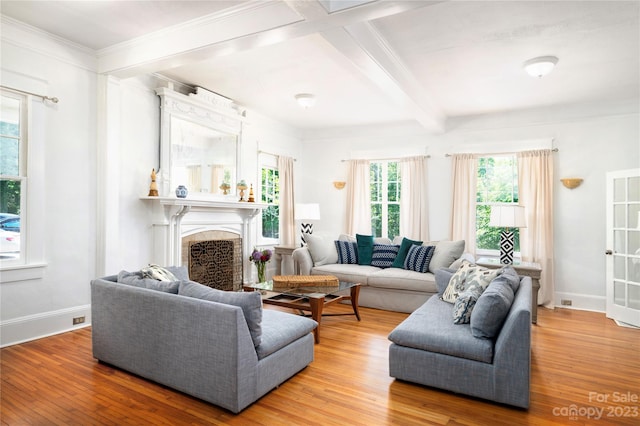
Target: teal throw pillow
{"points": [[404, 250], [365, 249]]}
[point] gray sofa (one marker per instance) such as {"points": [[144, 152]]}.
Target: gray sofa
{"points": [[229, 354], [429, 349], [392, 289]]}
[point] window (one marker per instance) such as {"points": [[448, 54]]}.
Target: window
{"points": [[270, 194], [497, 184], [12, 174], [385, 198]]}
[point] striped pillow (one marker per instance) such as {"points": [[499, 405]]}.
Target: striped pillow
{"points": [[384, 255], [418, 258], [347, 252]]}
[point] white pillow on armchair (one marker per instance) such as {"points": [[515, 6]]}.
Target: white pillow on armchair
{"points": [[322, 250]]}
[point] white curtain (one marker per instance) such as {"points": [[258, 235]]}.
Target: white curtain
{"points": [[414, 216], [535, 182], [358, 198], [193, 178], [287, 202], [463, 211]]}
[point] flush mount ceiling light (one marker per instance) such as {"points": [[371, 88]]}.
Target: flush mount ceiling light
{"points": [[541, 66], [305, 100]]}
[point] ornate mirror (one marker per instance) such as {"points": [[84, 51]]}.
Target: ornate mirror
{"points": [[200, 143]]}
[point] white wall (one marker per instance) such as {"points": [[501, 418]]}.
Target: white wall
{"points": [[41, 306], [591, 141]]}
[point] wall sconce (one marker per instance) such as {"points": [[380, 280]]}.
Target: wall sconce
{"points": [[339, 185], [571, 183]]}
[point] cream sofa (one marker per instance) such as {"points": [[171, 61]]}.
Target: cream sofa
{"points": [[393, 288]]}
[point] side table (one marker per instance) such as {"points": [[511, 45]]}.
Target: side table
{"points": [[280, 254], [527, 269]]}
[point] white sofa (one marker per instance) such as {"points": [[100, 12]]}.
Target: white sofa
{"points": [[393, 288]]}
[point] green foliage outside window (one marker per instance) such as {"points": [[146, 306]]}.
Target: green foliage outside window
{"points": [[497, 184], [10, 165], [385, 185], [270, 194]]}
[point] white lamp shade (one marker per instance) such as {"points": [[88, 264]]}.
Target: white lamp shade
{"points": [[307, 212], [508, 216]]}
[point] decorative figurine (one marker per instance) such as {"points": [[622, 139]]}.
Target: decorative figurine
{"points": [[242, 185], [251, 198], [153, 188]]}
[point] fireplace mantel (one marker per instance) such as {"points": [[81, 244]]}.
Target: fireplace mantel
{"points": [[174, 218]]}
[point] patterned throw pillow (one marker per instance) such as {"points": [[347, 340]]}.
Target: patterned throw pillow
{"points": [[384, 255], [464, 305], [402, 253], [456, 283], [347, 252], [418, 258]]}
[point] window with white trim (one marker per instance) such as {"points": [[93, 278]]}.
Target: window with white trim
{"points": [[270, 194], [385, 183], [497, 183], [13, 170]]}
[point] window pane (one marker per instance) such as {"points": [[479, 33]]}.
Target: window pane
{"points": [[10, 158], [376, 220], [9, 219], [270, 194], [270, 222], [393, 225]]}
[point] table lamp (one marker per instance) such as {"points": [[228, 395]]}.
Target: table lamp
{"points": [[306, 212], [507, 216]]}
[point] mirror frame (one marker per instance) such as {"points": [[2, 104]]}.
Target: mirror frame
{"points": [[202, 108]]}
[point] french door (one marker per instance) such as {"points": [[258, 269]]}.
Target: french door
{"points": [[623, 246]]}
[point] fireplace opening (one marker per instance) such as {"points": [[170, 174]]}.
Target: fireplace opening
{"points": [[214, 258]]}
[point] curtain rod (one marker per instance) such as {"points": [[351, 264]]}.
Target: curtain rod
{"points": [[270, 153], [386, 159], [495, 153], [43, 97]]}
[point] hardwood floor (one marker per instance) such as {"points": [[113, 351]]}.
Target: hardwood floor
{"points": [[583, 365]]}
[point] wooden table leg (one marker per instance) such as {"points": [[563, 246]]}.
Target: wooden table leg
{"points": [[355, 292], [316, 304]]}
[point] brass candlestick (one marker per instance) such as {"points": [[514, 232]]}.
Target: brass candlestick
{"points": [[251, 198]]}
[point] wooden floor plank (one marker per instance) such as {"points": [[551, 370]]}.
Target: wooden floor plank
{"points": [[580, 360]]}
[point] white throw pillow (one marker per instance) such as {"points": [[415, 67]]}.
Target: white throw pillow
{"points": [[445, 254], [323, 250]]}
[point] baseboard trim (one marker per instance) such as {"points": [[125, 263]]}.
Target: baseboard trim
{"points": [[32, 327], [581, 302]]}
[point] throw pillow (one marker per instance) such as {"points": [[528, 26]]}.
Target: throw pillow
{"points": [[250, 302], [158, 273], [322, 250], [445, 254], [442, 279], [456, 283], [365, 249], [512, 277], [384, 255], [463, 307], [402, 252], [347, 252], [418, 258], [137, 280], [492, 308], [481, 278]]}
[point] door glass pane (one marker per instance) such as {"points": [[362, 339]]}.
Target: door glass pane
{"points": [[634, 242], [618, 267], [619, 190], [634, 296], [619, 242], [634, 189], [634, 270], [619, 216], [634, 216], [618, 293]]}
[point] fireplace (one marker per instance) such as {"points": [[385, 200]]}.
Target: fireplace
{"points": [[214, 258]]}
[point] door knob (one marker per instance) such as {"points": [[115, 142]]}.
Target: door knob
{"points": [[608, 252]]}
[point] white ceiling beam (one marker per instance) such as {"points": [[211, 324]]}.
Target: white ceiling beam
{"points": [[381, 65]]}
